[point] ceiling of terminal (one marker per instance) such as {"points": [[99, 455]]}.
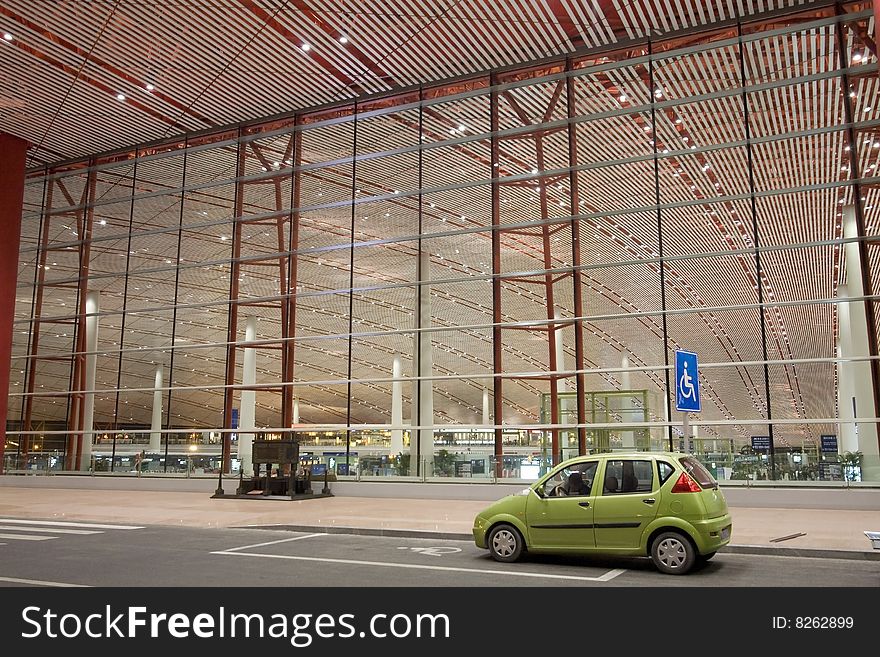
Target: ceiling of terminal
{"points": [[183, 66]]}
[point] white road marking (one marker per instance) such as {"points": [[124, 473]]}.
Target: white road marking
{"points": [[55, 523], [283, 540], [36, 582], [354, 562], [26, 537], [437, 551], [48, 530]]}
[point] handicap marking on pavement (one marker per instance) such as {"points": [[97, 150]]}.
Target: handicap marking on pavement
{"points": [[438, 551]]}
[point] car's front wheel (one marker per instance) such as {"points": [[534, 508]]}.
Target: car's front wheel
{"points": [[673, 553], [505, 543]]}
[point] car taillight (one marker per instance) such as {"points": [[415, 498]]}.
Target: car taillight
{"points": [[686, 484]]}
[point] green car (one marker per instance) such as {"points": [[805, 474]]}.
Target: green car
{"points": [[659, 504]]}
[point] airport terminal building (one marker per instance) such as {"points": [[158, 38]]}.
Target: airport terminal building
{"points": [[441, 239]]}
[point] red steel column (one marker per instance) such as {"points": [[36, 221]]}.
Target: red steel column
{"points": [[13, 153], [497, 366]]}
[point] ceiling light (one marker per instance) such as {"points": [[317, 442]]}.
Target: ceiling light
{"points": [[462, 127], [852, 94], [305, 46], [868, 108], [120, 96], [343, 39], [622, 98], [150, 87], [103, 222], [223, 238], [7, 36], [857, 57], [534, 171]]}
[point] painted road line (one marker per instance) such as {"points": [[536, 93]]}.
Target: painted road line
{"points": [[49, 530], [56, 523], [37, 582], [611, 574], [26, 537], [283, 540]]}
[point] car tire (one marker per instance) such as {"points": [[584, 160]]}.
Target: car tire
{"points": [[706, 557], [673, 553], [506, 544]]}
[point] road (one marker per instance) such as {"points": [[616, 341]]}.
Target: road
{"points": [[87, 554]]}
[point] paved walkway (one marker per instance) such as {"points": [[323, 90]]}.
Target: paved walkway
{"points": [[827, 532]]}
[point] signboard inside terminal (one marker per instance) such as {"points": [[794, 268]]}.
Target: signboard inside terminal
{"points": [[761, 443], [829, 443]]}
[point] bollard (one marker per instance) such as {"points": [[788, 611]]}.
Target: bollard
{"points": [[326, 489]]}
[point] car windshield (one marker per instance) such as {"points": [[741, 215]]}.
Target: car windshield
{"points": [[696, 470]]}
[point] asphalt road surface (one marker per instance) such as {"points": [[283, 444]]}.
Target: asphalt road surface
{"points": [[52, 553]]}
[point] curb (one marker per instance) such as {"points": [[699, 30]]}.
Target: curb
{"points": [[813, 553], [765, 550]]}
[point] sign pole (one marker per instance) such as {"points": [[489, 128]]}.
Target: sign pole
{"points": [[685, 431]]}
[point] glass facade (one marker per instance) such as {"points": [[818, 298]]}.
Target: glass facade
{"points": [[478, 278]]}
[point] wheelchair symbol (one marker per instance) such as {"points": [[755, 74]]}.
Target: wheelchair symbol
{"points": [[686, 387]]}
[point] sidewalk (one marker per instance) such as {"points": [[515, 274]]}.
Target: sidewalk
{"points": [[821, 532]]}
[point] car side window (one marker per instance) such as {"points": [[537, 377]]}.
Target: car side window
{"points": [[574, 480], [628, 476], [664, 470]]}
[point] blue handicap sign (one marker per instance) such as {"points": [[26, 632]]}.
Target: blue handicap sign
{"points": [[687, 384]]}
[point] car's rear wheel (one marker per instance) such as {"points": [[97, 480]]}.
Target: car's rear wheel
{"points": [[673, 553], [505, 543]]}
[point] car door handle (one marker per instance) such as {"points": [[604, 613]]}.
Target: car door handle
{"points": [[649, 500], [584, 504]]}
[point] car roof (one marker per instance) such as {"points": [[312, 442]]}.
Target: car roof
{"points": [[615, 455]]}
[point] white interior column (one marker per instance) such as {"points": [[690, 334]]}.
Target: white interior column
{"points": [[91, 365], [296, 410], [561, 384], [848, 438], [423, 355], [247, 414], [396, 407], [156, 420], [487, 414], [625, 405], [860, 371]]}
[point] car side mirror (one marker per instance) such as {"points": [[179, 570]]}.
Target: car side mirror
{"points": [[539, 492]]}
